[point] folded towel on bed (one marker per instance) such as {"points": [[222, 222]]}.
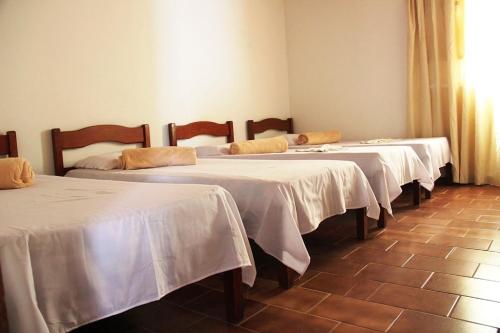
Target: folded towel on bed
{"points": [[375, 141], [260, 146], [321, 149], [318, 138], [15, 173], [143, 158]]}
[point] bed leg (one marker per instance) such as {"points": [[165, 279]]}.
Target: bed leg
{"points": [[416, 193], [449, 174], [361, 223], [382, 220], [428, 194], [4, 327], [233, 293], [286, 276]]}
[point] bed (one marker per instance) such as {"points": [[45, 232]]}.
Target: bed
{"points": [[434, 152], [386, 168], [81, 250], [278, 203]]}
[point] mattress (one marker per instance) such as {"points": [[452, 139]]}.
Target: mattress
{"points": [[386, 168], [433, 152], [278, 202], [74, 251]]}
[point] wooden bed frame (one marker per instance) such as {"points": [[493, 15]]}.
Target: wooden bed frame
{"points": [[62, 140], [188, 131], [94, 134], [285, 274], [8, 147], [256, 127]]}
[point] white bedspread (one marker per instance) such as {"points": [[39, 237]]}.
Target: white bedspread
{"points": [[278, 201], [433, 152], [387, 168], [74, 251]]}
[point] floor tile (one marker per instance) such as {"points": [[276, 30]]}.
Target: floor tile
{"points": [[366, 256], [209, 325], [471, 243], [363, 290], [421, 248], [276, 320], [357, 312], [212, 304], [186, 294], [414, 298], [460, 285], [405, 236], [336, 266], [432, 221], [433, 264], [488, 272], [474, 224], [495, 246], [330, 283], [485, 234], [163, 317], [477, 311], [346, 328], [412, 321], [484, 257], [297, 298], [434, 229], [403, 276]]}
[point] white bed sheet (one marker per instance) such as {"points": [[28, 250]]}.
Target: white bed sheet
{"points": [[278, 201], [387, 168], [433, 152], [74, 251]]}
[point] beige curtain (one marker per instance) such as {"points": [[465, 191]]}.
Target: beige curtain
{"points": [[441, 100]]}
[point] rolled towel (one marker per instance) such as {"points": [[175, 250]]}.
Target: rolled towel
{"points": [[143, 158], [260, 146], [15, 173], [319, 138]]}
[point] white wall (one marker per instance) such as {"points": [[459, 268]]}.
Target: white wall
{"points": [[347, 66], [76, 63]]}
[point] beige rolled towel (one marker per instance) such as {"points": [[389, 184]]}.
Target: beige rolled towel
{"points": [[15, 173], [143, 158], [260, 146], [319, 138]]}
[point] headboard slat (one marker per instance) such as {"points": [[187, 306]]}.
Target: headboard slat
{"points": [[62, 140], [256, 127], [188, 131], [8, 144]]}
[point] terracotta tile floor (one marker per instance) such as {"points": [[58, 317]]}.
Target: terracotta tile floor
{"points": [[434, 269]]}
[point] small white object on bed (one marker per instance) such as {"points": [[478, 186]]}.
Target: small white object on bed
{"points": [[278, 201], [74, 251]]}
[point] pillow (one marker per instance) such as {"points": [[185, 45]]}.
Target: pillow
{"points": [[15, 172], [215, 150], [142, 158], [277, 144], [291, 139], [318, 138], [107, 161]]}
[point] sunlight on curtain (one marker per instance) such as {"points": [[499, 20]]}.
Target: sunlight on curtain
{"points": [[481, 63], [480, 133]]}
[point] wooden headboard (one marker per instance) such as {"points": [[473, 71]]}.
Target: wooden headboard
{"points": [[256, 127], [188, 131], [8, 144], [94, 134]]}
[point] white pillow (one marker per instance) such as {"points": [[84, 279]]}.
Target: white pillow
{"points": [[216, 150], [107, 161], [292, 139]]}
